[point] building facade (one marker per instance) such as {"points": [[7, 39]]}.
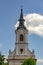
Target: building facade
{"points": [[21, 51]]}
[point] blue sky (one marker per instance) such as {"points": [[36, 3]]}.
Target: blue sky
{"points": [[9, 15]]}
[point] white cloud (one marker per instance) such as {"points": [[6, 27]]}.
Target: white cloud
{"points": [[34, 23], [5, 59], [17, 24], [40, 61]]}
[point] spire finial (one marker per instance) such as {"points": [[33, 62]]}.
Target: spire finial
{"points": [[21, 20], [21, 6], [21, 15]]}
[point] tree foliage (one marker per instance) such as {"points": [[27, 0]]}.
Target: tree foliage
{"points": [[29, 61], [5, 63], [2, 60]]}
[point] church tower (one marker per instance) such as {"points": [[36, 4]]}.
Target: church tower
{"points": [[21, 37], [21, 51]]}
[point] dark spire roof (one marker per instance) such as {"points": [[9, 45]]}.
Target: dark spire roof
{"points": [[21, 20], [21, 15]]}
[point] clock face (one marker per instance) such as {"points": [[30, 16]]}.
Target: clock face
{"points": [[21, 37]]}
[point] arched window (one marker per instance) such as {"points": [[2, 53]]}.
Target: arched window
{"points": [[21, 37], [21, 51]]}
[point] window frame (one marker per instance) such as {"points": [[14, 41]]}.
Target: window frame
{"points": [[21, 37]]}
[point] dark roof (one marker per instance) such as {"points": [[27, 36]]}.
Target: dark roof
{"points": [[21, 21]]}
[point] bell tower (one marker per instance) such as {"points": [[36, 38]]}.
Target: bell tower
{"points": [[21, 37], [21, 51]]}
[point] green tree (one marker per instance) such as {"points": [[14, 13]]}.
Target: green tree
{"points": [[1, 59], [29, 61], [5, 63]]}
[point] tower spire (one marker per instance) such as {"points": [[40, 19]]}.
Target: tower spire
{"points": [[21, 15], [21, 20]]}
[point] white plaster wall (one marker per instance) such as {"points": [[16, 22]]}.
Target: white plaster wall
{"points": [[24, 32], [21, 46], [11, 62]]}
